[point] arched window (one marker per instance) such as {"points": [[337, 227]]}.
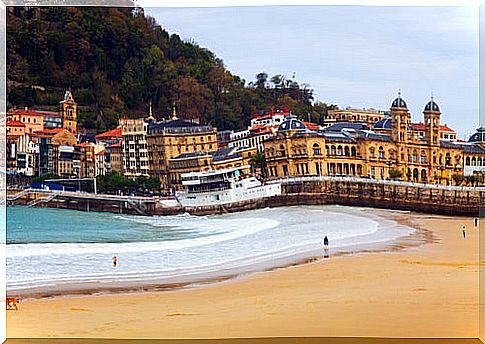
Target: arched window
{"points": [[327, 151], [423, 175], [347, 151], [392, 154], [381, 152], [474, 161], [448, 159], [479, 161], [353, 151], [415, 156], [423, 157], [339, 150], [282, 150], [372, 152], [316, 149], [333, 151], [467, 161]]}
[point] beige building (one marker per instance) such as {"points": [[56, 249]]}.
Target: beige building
{"points": [[56, 152], [32, 120], [169, 139], [369, 116]]}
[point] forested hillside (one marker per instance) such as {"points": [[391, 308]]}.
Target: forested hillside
{"points": [[117, 60]]}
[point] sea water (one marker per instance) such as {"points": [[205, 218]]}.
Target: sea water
{"points": [[64, 249]]}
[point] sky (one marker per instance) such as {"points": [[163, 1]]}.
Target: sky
{"points": [[357, 56]]}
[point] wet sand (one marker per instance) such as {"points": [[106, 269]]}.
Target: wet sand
{"points": [[429, 290]]}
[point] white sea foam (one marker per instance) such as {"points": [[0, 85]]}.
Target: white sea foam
{"points": [[209, 245]]}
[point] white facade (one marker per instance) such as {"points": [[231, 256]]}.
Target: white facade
{"points": [[262, 128], [26, 154], [135, 148]]}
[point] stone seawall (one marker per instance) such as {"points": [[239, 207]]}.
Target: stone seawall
{"points": [[442, 200], [420, 198]]}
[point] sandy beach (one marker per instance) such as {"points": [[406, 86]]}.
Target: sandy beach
{"points": [[429, 290]]}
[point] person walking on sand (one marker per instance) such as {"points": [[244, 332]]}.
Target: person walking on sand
{"points": [[464, 232], [476, 222], [115, 261]]}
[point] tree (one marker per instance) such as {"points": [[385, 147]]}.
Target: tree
{"points": [[457, 178], [395, 174], [257, 163]]}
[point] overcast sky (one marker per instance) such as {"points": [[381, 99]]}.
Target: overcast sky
{"points": [[355, 56]]}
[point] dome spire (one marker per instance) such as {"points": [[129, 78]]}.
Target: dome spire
{"points": [[174, 112], [399, 102]]}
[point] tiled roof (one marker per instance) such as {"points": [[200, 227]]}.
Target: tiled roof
{"points": [[49, 131], [109, 134]]}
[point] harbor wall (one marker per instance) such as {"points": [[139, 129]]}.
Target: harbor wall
{"points": [[454, 201], [430, 199]]}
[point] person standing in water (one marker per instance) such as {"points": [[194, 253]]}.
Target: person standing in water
{"points": [[115, 261], [325, 242]]}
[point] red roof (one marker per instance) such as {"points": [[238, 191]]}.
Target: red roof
{"points": [[49, 131], [115, 145], [420, 127], [15, 124], [27, 112], [110, 134], [446, 128], [100, 152], [311, 126]]}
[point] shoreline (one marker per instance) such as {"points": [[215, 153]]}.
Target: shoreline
{"points": [[419, 236], [421, 291]]}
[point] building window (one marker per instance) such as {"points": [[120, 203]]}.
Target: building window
{"points": [[316, 149], [353, 151], [381, 153], [372, 152], [423, 157]]}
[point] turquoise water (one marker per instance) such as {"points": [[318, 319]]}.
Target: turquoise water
{"points": [[65, 250], [42, 225]]}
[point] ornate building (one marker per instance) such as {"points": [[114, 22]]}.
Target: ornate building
{"points": [[356, 150]]}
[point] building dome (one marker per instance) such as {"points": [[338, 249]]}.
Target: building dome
{"points": [[399, 103], [432, 106], [291, 123], [384, 123], [479, 136]]}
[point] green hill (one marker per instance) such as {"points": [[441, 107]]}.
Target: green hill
{"points": [[117, 60]]}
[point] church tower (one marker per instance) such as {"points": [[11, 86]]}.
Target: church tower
{"points": [[432, 123], [400, 119], [68, 111]]}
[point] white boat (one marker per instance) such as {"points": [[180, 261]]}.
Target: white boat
{"points": [[223, 187]]}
